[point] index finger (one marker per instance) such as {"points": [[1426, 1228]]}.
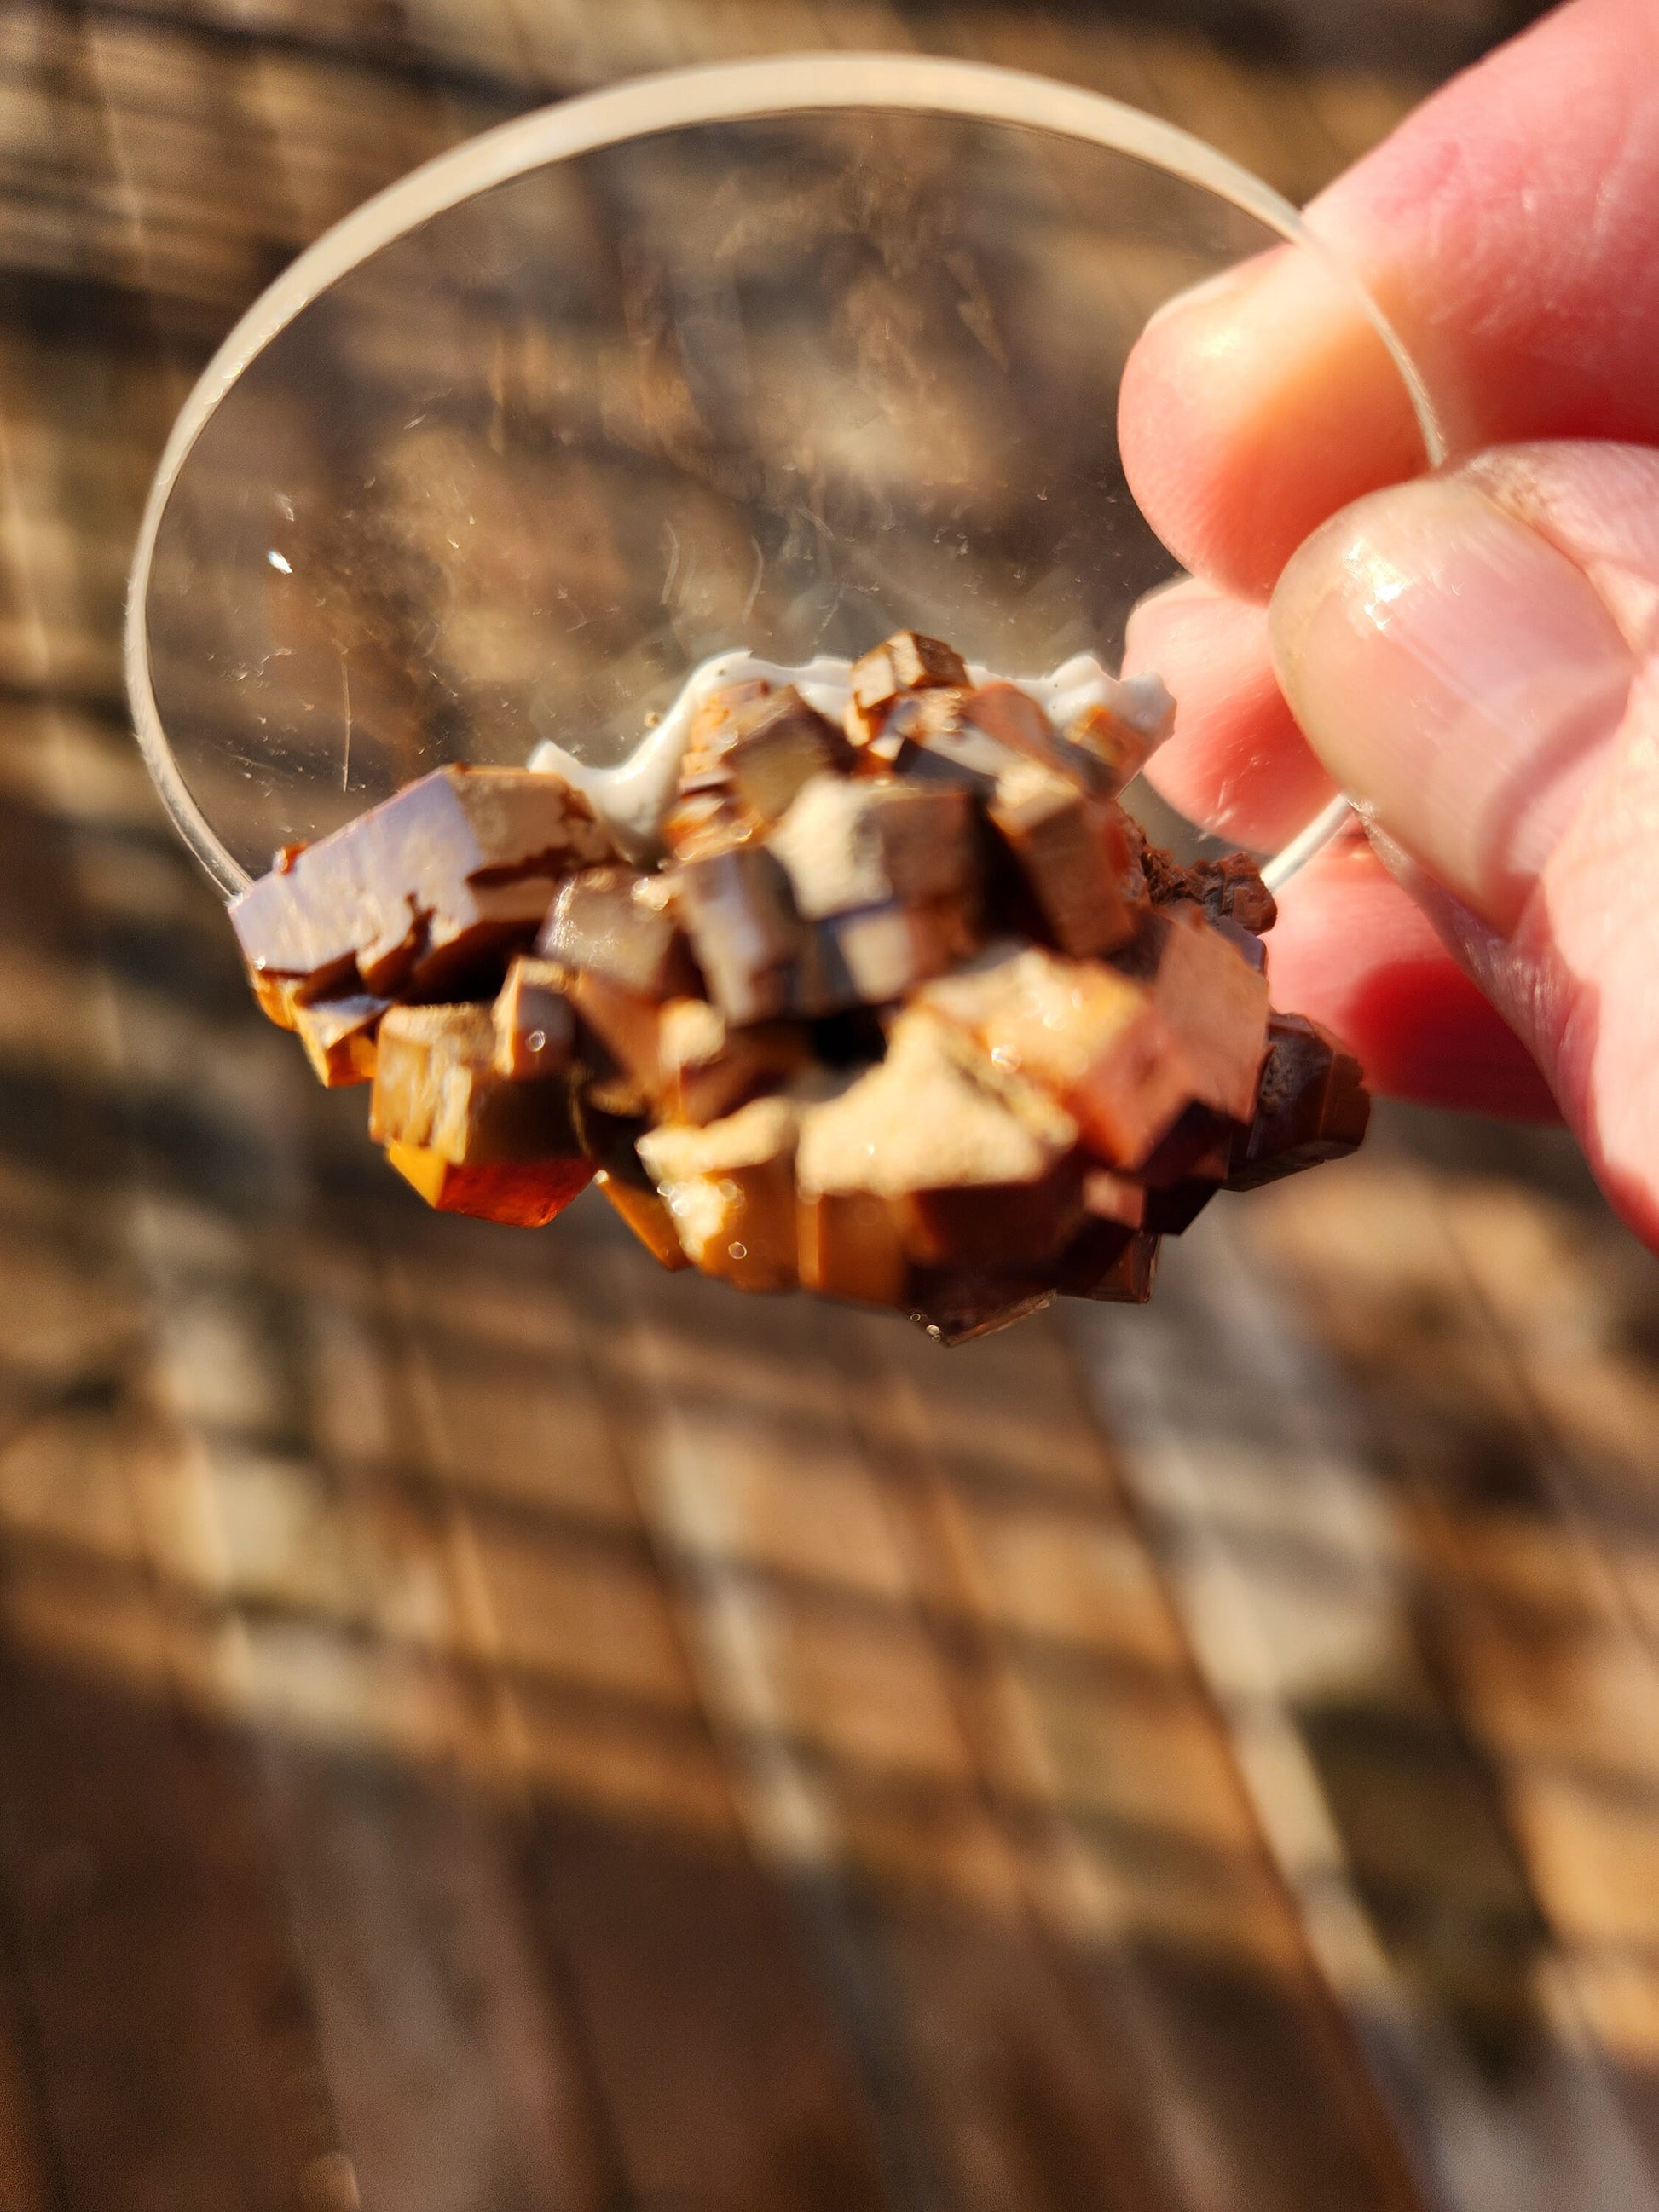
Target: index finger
{"points": [[1507, 230]]}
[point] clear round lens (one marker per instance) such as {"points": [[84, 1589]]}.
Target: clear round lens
{"points": [[782, 355]]}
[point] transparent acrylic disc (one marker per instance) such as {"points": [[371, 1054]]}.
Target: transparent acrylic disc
{"points": [[783, 355]]}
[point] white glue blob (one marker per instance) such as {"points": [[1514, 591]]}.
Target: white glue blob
{"points": [[633, 797]]}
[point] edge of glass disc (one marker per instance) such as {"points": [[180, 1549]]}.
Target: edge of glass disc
{"points": [[677, 99]]}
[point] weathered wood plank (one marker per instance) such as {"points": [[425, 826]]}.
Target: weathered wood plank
{"points": [[1379, 1772], [488, 1728], [173, 2055], [722, 2070], [1145, 1859]]}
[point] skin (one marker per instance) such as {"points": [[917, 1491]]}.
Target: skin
{"points": [[1473, 657]]}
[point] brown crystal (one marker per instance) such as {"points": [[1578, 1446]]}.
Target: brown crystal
{"points": [[338, 1036], [730, 1190], [423, 888], [437, 1089], [622, 926], [535, 1024], [1312, 1105]]}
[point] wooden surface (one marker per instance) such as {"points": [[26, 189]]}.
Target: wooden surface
{"points": [[484, 1726]]}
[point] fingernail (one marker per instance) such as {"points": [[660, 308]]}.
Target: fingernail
{"points": [[1460, 679], [1227, 284]]}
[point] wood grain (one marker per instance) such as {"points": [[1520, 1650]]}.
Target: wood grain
{"points": [[488, 1727]]}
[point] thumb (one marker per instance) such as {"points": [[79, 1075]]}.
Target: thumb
{"points": [[1475, 659]]}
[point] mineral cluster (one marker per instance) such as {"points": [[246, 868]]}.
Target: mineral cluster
{"points": [[907, 1010]]}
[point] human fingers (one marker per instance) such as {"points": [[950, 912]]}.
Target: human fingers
{"points": [[1354, 952], [1475, 659], [1237, 763], [1506, 228], [1351, 947]]}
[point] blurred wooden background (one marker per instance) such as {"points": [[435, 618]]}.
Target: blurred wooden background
{"points": [[487, 1728]]}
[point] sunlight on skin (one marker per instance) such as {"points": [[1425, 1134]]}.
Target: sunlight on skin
{"points": [[1462, 657]]}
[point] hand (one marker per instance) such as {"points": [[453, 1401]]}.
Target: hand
{"points": [[1473, 657]]}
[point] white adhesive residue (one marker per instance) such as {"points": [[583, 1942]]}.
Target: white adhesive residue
{"points": [[632, 798]]}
